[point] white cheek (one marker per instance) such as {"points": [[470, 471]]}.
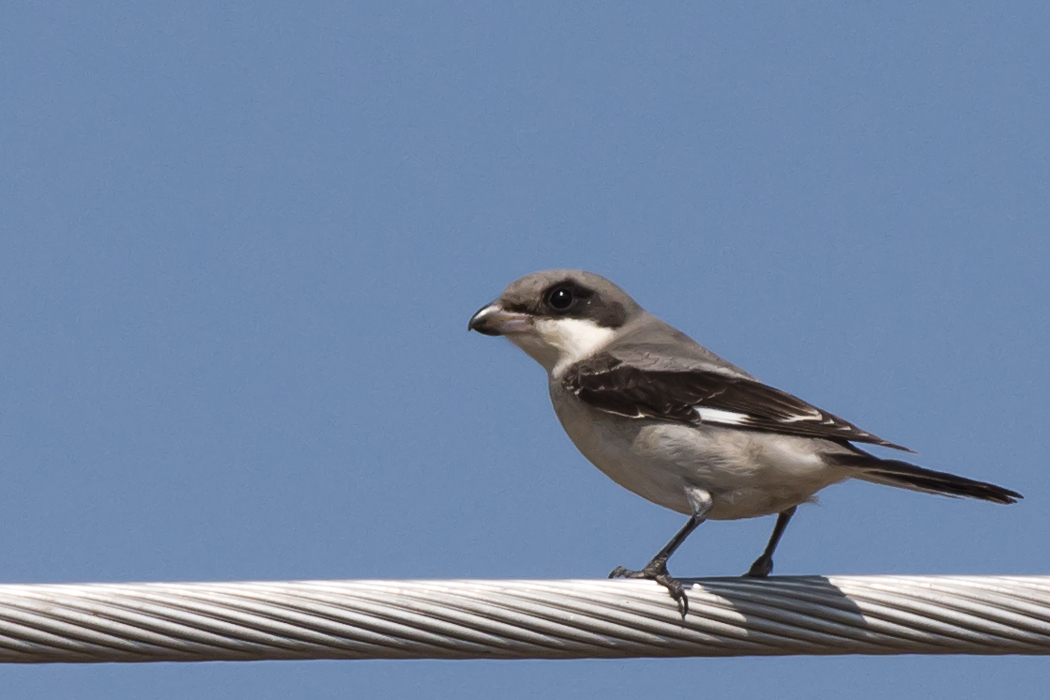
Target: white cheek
{"points": [[573, 339], [536, 348]]}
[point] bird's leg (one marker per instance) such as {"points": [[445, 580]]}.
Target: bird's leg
{"points": [[656, 569], [763, 566]]}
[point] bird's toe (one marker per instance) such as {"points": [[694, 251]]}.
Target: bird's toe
{"points": [[657, 571]]}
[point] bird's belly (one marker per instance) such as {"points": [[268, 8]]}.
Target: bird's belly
{"points": [[747, 473]]}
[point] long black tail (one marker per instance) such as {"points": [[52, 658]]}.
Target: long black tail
{"points": [[893, 472]]}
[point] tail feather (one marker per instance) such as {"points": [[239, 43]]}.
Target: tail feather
{"points": [[893, 472]]}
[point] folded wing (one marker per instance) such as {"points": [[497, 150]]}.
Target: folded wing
{"points": [[704, 396]]}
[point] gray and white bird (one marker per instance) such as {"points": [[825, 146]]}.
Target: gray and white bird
{"points": [[671, 421]]}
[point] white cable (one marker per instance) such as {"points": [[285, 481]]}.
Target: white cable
{"points": [[447, 619]]}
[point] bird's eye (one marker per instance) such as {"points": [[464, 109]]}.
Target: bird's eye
{"points": [[560, 299]]}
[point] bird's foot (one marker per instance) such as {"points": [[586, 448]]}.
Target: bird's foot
{"points": [[762, 567], [656, 570]]}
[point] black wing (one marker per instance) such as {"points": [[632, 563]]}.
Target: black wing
{"points": [[699, 396]]}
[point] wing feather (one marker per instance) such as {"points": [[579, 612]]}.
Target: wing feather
{"points": [[699, 396]]}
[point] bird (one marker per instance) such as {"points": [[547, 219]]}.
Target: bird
{"points": [[676, 424]]}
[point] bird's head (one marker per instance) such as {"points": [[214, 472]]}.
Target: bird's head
{"points": [[557, 316]]}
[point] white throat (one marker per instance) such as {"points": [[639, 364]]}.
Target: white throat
{"points": [[557, 343]]}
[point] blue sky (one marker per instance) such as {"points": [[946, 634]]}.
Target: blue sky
{"points": [[239, 245]]}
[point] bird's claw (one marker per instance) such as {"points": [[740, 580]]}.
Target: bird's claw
{"points": [[762, 567], [656, 570]]}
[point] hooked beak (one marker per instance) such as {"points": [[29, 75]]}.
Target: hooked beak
{"points": [[495, 320]]}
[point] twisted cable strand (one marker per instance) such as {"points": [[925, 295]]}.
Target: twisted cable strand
{"points": [[571, 619]]}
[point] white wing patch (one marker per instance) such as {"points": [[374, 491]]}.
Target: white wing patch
{"points": [[717, 415]]}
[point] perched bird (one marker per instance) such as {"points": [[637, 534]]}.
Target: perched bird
{"points": [[671, 421]]}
